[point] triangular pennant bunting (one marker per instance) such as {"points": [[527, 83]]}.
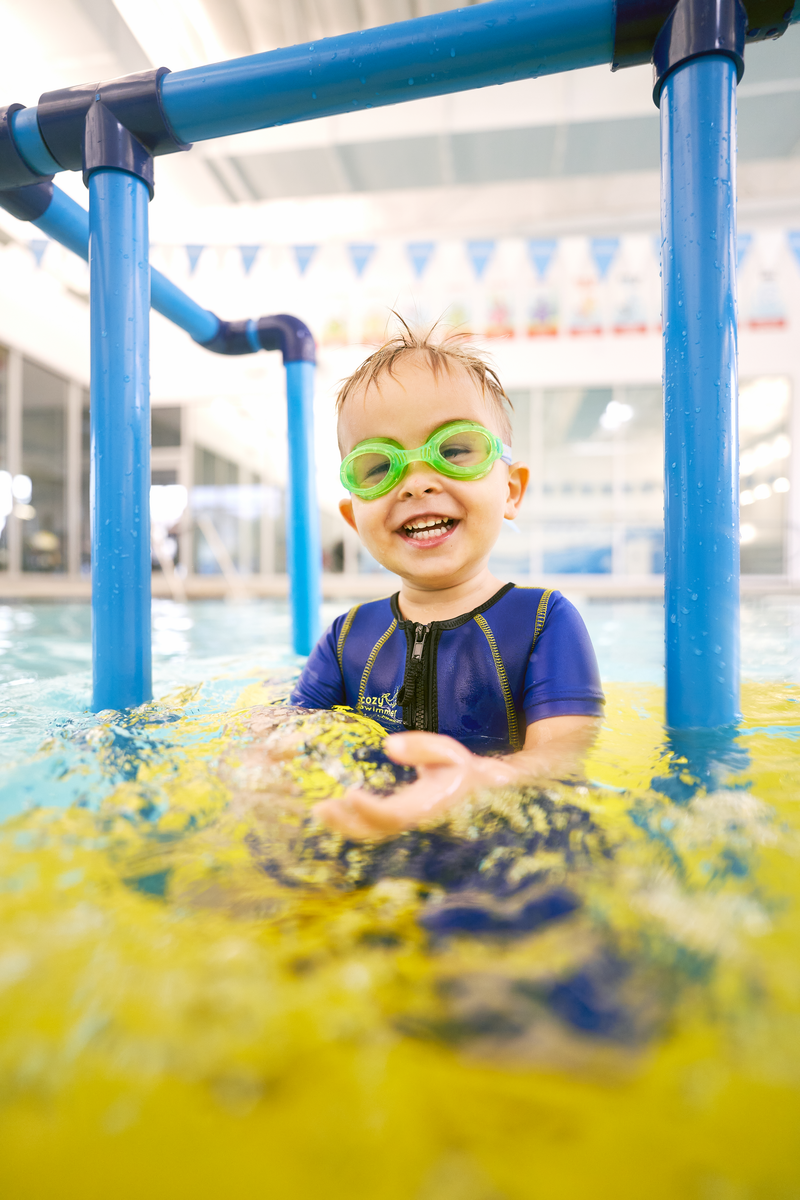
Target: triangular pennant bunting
{"points": [[37, 249], [249, 255], [479, 254], [303, 256], [360, 255], [603, 250], [193, 254], [540, 252], [794, 243], [420, 254], [743, 243]]}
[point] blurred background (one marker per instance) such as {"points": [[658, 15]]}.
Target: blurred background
{"points": [[527, 215]]}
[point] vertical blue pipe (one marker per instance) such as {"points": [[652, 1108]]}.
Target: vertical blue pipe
{"points": [[698, 224], [304, 554], [120, 438]]}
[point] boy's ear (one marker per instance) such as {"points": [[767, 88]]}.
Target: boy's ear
{"points": [[346, 509], [518, 476]]}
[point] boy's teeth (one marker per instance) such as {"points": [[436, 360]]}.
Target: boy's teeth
{"points": [[427, 527]]}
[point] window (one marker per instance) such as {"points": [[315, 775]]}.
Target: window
{"points": [[86, 442], [764, 475], [6, 496], [44, 536], [165, 427], [215, 506], [595, 502]]}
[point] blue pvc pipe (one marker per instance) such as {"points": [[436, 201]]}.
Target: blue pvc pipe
{"points": [[304, 560], [66, 222], [698, 223], [30, 143], [120, 439], [176, 306], [429, 56]]}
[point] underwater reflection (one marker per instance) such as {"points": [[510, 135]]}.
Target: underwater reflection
{"points": [[700, 759]]}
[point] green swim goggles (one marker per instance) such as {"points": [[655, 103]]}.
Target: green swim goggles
{"points": [[459, 450]]}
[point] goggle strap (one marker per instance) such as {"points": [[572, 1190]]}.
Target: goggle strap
{"points": [[507, 457]]}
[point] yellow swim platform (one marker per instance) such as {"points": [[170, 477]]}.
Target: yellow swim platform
{"points": [[573, 991]]}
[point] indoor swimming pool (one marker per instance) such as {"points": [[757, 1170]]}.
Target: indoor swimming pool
{"points": [[201, 990]]}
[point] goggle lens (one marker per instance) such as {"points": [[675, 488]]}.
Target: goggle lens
{"points": [[370, 469], [466, 450]]}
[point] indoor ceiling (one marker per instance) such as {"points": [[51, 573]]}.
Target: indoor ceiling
{"points": [[561, 133]]}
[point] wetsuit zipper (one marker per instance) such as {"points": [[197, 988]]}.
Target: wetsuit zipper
{"points": [[417, 684], [418, 694]]}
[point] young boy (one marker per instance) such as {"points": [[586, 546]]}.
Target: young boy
{"points": [[471, 665]]}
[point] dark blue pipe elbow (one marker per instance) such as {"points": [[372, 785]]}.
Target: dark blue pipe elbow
{"points": [[27, 203], [23, 192], [280, 332]]}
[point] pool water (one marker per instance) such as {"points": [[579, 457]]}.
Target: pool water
{"points": [[43, 640], [581, 989], [45, 655]]}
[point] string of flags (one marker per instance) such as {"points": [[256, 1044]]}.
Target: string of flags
{"points": [[480, 252], [566, 294]]}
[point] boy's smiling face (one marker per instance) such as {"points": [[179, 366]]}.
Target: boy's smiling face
{"points": [[433, 531]]}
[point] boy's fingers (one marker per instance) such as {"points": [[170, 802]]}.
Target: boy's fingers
{"points": [[425, 749], [359, 815]]}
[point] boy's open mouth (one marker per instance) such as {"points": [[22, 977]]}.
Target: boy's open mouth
{"points": [[428, 529]]}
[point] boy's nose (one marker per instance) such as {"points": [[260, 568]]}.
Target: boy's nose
{"points": [[419, 479]]}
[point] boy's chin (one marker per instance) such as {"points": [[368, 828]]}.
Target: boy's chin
{"points": [[435, 567]]}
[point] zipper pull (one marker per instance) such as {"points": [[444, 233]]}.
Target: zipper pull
{"points": [[420, 634]]}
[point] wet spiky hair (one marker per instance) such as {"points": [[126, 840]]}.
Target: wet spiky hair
{"points": [[443, 354]]}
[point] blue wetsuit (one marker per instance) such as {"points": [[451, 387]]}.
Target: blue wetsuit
{"points": [[481, 677]]}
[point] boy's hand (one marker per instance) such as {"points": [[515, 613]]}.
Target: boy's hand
{"points": [[446, 773]]}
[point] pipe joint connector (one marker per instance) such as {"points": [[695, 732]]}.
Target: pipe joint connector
{"points": [[280, 332], [23, 193], [118, 124], [671, 32], [107, 144], [694, 29], [14, 171], [134, 101]]}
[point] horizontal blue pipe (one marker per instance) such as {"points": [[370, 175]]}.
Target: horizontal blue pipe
{"points": [[430, 56], [66, 222]]}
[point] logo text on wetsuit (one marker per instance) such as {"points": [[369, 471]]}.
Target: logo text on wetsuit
{"points": [[384, 706]]}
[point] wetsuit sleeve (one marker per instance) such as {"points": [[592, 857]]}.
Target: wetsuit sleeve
{"points": [[321, 684], [562, 678]]}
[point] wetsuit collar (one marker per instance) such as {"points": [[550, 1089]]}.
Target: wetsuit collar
{"points": [[453, 622]]}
